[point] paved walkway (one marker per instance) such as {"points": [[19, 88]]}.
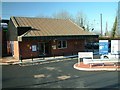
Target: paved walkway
{"points": [[80, 66], [96, 67], [11, 60], [7, 60]]}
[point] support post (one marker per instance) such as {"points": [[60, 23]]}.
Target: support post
{"points": [[32, 57], [21, 58], [78, 60]]}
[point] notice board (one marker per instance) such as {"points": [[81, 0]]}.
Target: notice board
{"points": [[103, 47], [115, 46]]}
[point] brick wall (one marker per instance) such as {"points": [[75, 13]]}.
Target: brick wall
{"points": [[25, 49], [73, 47], [12, 32]]}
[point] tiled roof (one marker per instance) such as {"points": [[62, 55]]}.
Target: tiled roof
{"points": [[49, 27]]}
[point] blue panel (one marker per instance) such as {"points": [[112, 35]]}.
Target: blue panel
{"points": [[103, 47]]}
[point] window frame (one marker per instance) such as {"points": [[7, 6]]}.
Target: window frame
{"points": [[61, 42]]}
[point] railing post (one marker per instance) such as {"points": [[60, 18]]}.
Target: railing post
{"points": [[32, 57], [72, 53], [21, 58], [78, 58]]}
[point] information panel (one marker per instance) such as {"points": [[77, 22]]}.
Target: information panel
{"points": [[115, 44], [103, 47], [85, 55], [34, 48]]}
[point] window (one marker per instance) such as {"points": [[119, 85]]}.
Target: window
{"points": [[62, 44]]}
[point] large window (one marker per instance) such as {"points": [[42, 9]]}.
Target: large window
{"points": [[62, 44]]}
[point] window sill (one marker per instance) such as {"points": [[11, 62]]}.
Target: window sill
{"points": [[62, 48]]}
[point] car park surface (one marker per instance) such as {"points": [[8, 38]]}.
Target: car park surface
{"points": [[56, 75]]}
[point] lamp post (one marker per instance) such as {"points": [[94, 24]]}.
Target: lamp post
{"points": [[101, 23]]}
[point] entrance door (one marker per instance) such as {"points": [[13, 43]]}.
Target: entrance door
{"points": [[43, 49]]}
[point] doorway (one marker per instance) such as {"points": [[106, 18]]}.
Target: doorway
{"points": [[43, 48]]}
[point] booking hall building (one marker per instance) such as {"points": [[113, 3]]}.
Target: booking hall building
{"points": [[40, 37]]}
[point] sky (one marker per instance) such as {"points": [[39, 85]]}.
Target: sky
{"points": [[91, 10]]}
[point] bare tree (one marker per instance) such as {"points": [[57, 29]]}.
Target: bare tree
{"points": [[43, 16], [114, 29], [62, 15], [87, 28], [80, 20], [118, 18]]}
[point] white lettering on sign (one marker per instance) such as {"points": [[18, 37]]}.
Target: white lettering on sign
{"points": [[85, 55]]}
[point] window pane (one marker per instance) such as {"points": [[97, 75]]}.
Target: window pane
{"points": [[59, 44], [64, 44]]}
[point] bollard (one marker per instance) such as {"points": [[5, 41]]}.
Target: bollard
{"points": [[32, 57], [21, 58], [78, 61], [53, 55], [43, 57], [81, 59], [72, 53]]}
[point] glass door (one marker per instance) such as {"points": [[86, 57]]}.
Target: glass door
{"points": [[41, 48]]}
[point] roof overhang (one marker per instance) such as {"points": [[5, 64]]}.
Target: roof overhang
{"points": [[20, 38]]}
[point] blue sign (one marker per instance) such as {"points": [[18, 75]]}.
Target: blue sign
{"points": [[103, 47]]}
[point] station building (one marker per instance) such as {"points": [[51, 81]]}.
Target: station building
{"points": [[40, 37]]}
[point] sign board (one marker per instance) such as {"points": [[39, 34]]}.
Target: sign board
{"points": [[115, 46], [34, 48], [85, 55], [54, 46], [103, 46]]}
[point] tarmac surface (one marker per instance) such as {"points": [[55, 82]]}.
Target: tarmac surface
{"points": [[57, 72], [80, 66], [60, 74]]}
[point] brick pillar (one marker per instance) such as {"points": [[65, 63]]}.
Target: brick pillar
{"points": [[16, 50]]}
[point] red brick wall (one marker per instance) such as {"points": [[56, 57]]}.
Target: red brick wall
{"points": [[25, 49], [73, 47]]}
